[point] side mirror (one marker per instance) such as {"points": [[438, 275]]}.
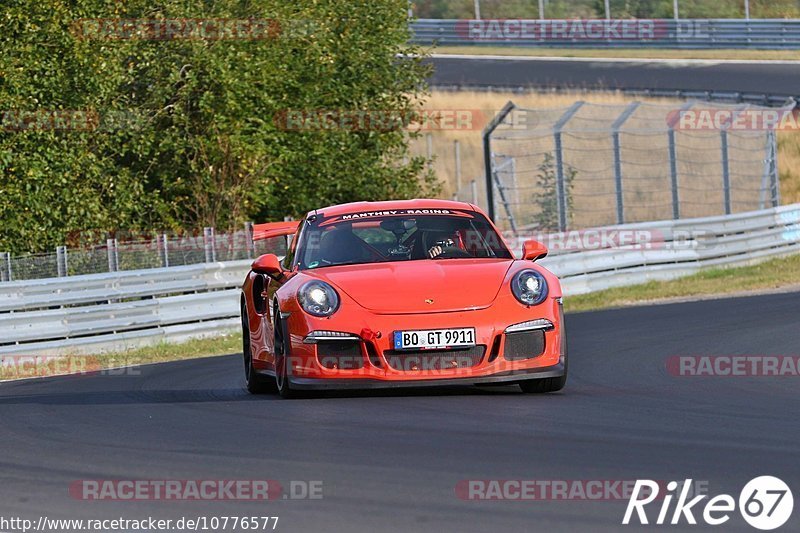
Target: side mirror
{"points": [[267, 264], [533, 250]]}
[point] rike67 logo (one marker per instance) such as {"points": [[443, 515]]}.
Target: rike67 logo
{"points": [[765, 503]]}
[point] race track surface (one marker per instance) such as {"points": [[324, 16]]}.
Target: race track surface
{"points": [[779, 79], [390, 461]]}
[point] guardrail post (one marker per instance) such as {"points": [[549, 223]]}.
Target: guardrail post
{"points": [[5, 271], [211, 249], [249, 243], [61, 261], [561, 186], [615, 127], [113, 255], [163, 249]]}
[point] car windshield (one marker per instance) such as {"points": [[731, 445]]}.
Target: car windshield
{"points": [[398, 236]]}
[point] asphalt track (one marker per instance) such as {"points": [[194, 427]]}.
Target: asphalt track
{"points": [[390, 461], [759, 78]]}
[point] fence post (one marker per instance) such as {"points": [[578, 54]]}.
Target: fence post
{"points": [[561, 186], [429, 149], [618, 159], [163, 248], [673, 174], [726, 173], [113, 255], [474, 186], [487, 156], [501, 189], [673, 159], [210, 247], [5, 271], [457, 155], [61, 261], [775, 190], [249, 243]]}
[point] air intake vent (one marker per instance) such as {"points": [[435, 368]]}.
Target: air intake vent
{"points": [[342, 355], [524, 345]]}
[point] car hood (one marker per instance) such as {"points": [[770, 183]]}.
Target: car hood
{"points": [[424, 286]]}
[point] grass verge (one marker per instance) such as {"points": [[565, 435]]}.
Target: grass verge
{"points": [[30, 366], [773, 274], [756, 55]]}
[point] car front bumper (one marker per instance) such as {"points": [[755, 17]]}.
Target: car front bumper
{"points": [[503, 378], [373, 332]]}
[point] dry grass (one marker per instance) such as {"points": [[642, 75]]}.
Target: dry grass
{"points": [[20, 367], [760, 55], [490, 102], [781, 273]]}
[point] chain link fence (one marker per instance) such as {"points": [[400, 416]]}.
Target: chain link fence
{"points": [[161, 250], [589, 165]]}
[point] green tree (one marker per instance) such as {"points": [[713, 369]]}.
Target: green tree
{"points": [[187, 134], [546, 195]]}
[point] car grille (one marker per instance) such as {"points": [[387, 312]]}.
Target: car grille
{"points": [[524, 345], [341, 354], [414, 360]]}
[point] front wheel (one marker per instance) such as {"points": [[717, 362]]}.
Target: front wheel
{"points": [[550, 384], [255, 383], [543, 385], [282, 383]]}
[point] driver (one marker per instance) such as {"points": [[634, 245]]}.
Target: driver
{"points": [[442, 243], [340, 245]]}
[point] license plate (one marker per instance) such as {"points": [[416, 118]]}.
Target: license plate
{"points": [[426, 339]]}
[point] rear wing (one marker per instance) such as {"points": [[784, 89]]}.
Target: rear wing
{"points": [[271, 230]]}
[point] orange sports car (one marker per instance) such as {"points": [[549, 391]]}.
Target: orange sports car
{"points": [[397, 294]]}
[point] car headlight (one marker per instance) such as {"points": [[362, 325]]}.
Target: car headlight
{"points": [[318, 298], [529, 287]]}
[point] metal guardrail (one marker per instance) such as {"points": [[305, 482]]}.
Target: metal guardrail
{"points": [[120, 310], [668, 249], [590, 33]]}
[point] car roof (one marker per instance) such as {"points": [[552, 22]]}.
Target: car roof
{"points": [[360, 207]]}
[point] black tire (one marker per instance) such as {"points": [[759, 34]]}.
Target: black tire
{"points": [[255, 383], [282, 383], [538, 386]]}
